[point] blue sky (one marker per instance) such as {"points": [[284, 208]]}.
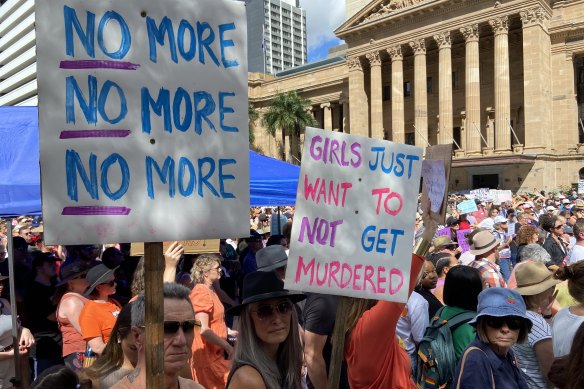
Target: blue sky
{"points": [[320, 28]]}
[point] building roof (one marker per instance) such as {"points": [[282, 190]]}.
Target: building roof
{"points": [[311, 66]]}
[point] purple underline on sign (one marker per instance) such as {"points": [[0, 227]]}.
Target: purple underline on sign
{"points": [[96, 210], [99, 64], [76, 134]]}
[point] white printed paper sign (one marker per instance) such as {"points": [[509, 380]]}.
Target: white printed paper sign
{"points": [[143, 120], [355, 213]]}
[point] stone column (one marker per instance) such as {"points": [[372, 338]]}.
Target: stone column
{"points": [[376, 95], [472, 90], [397, 95], [344, 102], [358, 104], [502, 89], [445, 87], [537, 79], [420, 92], [327, 116]]}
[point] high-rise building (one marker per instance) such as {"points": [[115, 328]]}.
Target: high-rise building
{"points": [[276, 35], [18, 84]]}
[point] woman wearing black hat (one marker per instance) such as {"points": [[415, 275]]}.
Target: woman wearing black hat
{"points": [[268, 353], [69, 294], [99, 314]]}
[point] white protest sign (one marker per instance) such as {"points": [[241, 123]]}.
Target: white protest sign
{"points": [[580, 186], [355, 214], [143, 120], [434, 179]]}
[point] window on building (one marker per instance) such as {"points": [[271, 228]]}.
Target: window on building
{"points": [[386, 92], [454, 80], [407, 89], [456, 138], [410, 138], [429, 84]]}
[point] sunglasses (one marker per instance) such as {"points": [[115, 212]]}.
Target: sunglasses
{"points": [[110, 283], [514, 323], [558, 227], [171, 327], [268, 311]]}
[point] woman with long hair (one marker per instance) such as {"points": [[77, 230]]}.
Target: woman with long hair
{"points": [[98, 315], [211, 350], [119, 356], [71, 301], [268, 353], [566, 372], [568, 319], [367, 340]]}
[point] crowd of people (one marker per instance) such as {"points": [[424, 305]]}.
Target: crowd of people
{"points": [[496, 301]]}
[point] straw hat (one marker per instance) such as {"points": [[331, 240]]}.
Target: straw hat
{"points": [[533, 278]]}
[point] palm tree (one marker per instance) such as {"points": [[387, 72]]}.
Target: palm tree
{"points": [[253, 115], [288, 112]]}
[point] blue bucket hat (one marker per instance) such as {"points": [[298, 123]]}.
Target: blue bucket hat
{"points": [[500, 302]]}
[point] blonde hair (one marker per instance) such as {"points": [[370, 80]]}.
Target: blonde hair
{"points": [[203, 264]]}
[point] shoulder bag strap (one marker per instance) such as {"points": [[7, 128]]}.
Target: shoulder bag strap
{"points": [[468, 350]]}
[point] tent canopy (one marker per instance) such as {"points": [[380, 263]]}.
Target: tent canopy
{"points": [[272, 182]]}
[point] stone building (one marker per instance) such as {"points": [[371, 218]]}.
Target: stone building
{"points": [[501, 80]]}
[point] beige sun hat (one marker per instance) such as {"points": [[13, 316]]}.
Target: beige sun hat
{"points": [[533, 278], [483, 242]]}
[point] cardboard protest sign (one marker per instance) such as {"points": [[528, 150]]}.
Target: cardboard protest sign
{"points": [[463, 241], [436, 179], [143, 120], [467, 206], [355, 213], [210, 246]]}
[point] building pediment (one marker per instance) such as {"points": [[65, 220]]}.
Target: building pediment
{"points": [[377, 9]]}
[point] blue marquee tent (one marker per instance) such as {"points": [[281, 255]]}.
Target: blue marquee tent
{"points": [[272, 182]]}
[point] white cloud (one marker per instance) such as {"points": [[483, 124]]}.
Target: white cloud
{"points": [[322, 18]]}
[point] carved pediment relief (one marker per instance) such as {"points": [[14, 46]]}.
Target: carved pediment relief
{"points": [[388, 7]]}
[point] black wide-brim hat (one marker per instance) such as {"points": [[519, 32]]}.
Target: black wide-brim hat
{"points": [[260, 286]]}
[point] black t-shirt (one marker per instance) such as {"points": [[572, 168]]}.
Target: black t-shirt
{"points": [[319, 318], [38, 306]]}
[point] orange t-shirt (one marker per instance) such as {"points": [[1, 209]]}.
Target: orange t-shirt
{"points": [[98, 319], [374, 357], [208, 364], [72, 340]]}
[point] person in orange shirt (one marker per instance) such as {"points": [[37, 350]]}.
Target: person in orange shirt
{"points": [[71, 301], [99, 314], [367, 338], [211, 362]]}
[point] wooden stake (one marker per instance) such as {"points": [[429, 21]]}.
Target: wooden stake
{"points": [[154, 300]]}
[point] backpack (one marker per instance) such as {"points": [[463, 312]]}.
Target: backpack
{"points": [[435, 359]]}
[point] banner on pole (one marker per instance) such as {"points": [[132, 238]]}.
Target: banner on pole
{"points": [[355, 213], [143, 120]]}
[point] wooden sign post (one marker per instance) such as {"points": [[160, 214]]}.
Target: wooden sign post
{"points": [[153, 272]]}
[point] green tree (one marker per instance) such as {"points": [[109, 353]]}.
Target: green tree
{"points": [[253, 115], [289, 113]]}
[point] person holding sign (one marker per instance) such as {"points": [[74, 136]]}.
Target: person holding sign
{"points": [[367, 337], [268, 353]]}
